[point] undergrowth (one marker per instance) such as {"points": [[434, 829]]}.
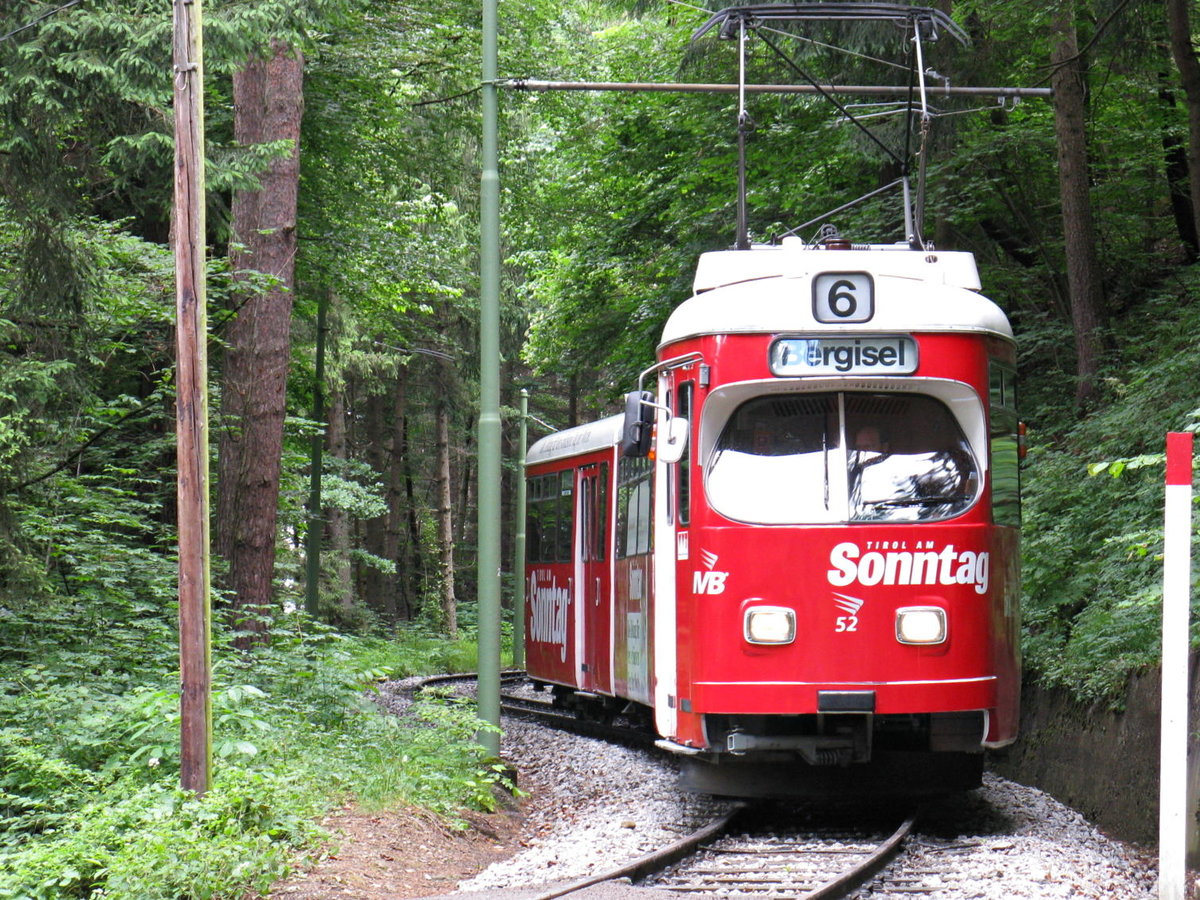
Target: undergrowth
{"points": [[1092, 506], [89, 764]]}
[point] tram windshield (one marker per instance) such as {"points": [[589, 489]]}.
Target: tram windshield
{"points": [[842, 457]]}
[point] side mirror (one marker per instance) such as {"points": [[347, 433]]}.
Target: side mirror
{"points": [[670, 449], [638, 428]]}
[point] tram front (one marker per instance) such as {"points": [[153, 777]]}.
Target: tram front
{"points": [[836, 551]]}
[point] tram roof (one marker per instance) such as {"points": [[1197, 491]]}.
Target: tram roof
{"points": [[599, 435], [768, 289]]}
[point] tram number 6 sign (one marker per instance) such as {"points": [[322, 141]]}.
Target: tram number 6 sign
{"points": [[843, 297]]}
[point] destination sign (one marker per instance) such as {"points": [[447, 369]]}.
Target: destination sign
{"points": [[844, 355]]}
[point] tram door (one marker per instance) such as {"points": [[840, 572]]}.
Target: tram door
{"points": [[593, 593]]}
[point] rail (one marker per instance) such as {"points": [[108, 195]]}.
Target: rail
{"points": [[791, 868], [792, 865]]}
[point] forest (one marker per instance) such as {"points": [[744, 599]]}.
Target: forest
{"points": [[343, 292]]}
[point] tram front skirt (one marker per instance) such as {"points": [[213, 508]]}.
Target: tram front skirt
{"points": [[888, 774]]}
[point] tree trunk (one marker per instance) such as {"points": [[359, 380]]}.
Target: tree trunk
{"points": [[415, 575], [1175, 168], [396, 604], [1179, 29], [339, 519], [268, 102], [1083, 270], [376, 429], [466, 493], [446, 522]]}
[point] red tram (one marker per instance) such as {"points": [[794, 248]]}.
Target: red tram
{"points": [[796, 554]]}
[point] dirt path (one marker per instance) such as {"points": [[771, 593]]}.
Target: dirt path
{"points": [[400, 854]]}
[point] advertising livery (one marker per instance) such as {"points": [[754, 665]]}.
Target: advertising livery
{"points": [[795, 555]]}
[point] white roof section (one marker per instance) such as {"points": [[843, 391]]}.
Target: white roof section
{"points": [[769, 290], [581, 439]]}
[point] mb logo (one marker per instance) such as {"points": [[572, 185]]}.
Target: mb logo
{"points": [[709, 582]]}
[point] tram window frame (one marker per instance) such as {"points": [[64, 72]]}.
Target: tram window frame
{"points": [[1004, 443], [566, 516], [635, 486], [536, 533], [602, 515], [533, 528], [549, 516], [684, 401], [924, 475], [593, 505], [587, 518]]}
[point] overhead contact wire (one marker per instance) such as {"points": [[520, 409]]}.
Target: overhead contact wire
{"points": [[41, 18], [839, 106], [834, 47]]}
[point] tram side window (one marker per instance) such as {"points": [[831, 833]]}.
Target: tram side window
{"points": [[548, 518], [1006, 478], [685, 463], [533, 524], [593, 512], [564, 504], [634, 507], [601, 529]]}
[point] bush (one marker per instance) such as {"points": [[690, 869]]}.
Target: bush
{"points": [[89, 803], [1092, 506]]}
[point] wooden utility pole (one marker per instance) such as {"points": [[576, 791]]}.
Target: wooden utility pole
{"points": [[191, 403]]}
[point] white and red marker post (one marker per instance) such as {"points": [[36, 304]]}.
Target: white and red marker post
{"points": [[1177, 577]]}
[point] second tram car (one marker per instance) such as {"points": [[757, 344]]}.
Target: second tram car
{"points": [[796, 554]]}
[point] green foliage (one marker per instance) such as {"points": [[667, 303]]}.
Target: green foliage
{"points": [[154, 841], [413, 650], [349, 485], [89, 805], [1092, 564], [608, 201]]}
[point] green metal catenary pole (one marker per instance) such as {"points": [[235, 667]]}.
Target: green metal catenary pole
{"points": [[489, 392], [518, 620]]}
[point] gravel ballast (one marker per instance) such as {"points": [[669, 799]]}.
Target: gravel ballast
{"points": [[594, 806]]}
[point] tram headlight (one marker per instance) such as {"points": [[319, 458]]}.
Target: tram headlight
{"points": [[921, 625], [770, 625]]}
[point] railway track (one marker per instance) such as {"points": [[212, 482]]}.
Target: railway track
{"points": [[774, 859], [615, 729], [794, 866], [785, 863], [535, 708]]}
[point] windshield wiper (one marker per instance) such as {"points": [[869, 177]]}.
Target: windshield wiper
{"points": [[918, 501]]}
